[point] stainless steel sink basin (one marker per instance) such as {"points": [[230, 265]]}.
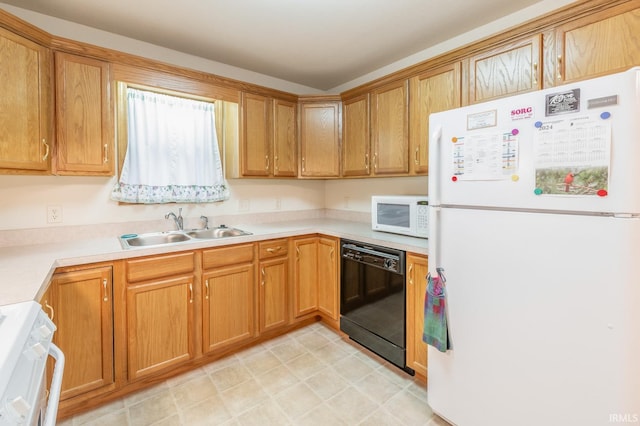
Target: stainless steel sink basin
{"points": [[222, 232], [171, 237], [154, 239]]}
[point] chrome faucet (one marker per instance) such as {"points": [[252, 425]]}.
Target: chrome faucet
{"points": [[205, 220], [177, 219]]}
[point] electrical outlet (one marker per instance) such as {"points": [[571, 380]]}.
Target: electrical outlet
{"points": [[54, 214]]}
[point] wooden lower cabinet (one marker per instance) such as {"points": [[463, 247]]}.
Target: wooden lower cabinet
{"points": [[228, 297], [160, 323], [416, 287], [305, 288], [274, 284], [328, 277], [316, 273], [80, 304]]}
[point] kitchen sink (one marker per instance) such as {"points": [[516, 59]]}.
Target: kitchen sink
{"points": [[221, 232], [171, 237]]}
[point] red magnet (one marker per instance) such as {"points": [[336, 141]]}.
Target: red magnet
{"points": [[454, 178], [602, 193]]}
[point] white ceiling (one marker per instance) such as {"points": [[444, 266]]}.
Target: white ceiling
{"points": [[317, 43]]}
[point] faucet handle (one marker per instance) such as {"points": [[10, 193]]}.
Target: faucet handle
{"points": [[205, 220]]}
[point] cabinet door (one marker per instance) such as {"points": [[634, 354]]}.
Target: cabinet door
{"points": [[319, 141], [255, 142], [83, 314], [84, 143], [328, 280], [390, 129], [506, 71], [432, 91], [26, 105], [416, 287], [598, 44], [229, 309], [273, 293], [160, 325], [305, 292], [285, 142], [355, 137]]}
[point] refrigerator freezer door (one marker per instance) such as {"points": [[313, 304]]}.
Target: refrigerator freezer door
{"points": [[544, 314], [470, 144]]}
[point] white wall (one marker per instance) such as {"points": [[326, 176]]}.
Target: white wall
{"points": [[85, 200]]}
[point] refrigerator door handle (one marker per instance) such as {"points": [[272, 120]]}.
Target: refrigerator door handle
{"points": [[434, 239], [434, 166]]}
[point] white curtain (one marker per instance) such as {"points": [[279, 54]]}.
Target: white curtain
{"points": [[172, 152]]}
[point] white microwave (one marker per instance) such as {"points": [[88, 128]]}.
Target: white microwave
{"points": [[401, 214]]}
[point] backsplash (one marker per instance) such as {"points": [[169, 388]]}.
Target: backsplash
{"points": [[21, 237]]}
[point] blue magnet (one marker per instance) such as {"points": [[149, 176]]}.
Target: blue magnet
{"points": [[605, 115], [538, 124]]}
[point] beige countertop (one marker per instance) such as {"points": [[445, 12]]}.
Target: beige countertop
{"points": [[25, 271]]}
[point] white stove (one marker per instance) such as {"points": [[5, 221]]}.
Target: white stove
{"points": [[26, 335]]}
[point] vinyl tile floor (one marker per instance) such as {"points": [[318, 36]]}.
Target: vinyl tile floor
{"points": [[311, 376]]}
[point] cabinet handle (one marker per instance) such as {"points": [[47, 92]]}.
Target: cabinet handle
{"points": [[263, 274], [266, 158], [46, 153], [559, 67], [375, 162], [298, 252], [303, 164], [274, 249], [105, 157], [410, 276], [105, 294], [331, 253], [535, 75], [417, 156], [190, 292], [366, 162], [206, 287], [275, 163], [50, 309]]}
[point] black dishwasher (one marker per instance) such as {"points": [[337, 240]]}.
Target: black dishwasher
{"points": [[372, 299]]}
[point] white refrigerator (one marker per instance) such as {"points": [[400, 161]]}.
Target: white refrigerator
{"points": [[535, 221]]}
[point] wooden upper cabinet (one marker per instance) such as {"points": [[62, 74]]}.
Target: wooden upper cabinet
{"points": [[433, 91], [390, 128], [255, 140], [268, 145], [320, 139], [599, 44], [504, 71], [285, 141], [356, 146], [84, 129], [26, 113]]}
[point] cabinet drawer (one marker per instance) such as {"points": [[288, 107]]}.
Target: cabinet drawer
{"points": [[272, 248], [160, 266], [222, 256]]}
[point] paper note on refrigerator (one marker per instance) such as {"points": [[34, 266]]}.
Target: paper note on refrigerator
{"points": [[573, 156], [485, 156]]}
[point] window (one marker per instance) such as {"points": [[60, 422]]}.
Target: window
{"points": [[172, 153]]}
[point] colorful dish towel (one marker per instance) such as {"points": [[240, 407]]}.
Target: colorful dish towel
{"points": [[436, 332]]}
